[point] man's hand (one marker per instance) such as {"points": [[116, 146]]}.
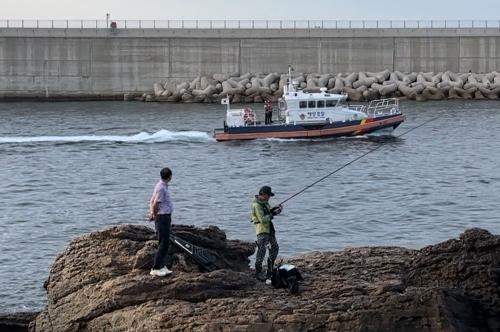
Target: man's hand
{"points": [[151, 216], [276, 210]]}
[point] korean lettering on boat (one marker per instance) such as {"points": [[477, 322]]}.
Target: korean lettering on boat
{"points": [[316, 114]]}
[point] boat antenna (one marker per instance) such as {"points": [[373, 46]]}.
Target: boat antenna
{"points": [[289, 86], [352, 161]]}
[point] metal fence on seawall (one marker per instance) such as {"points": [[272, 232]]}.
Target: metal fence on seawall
{"points": [[247, 24]]}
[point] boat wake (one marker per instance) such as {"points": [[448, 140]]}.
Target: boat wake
{"points": [[142, 137]]}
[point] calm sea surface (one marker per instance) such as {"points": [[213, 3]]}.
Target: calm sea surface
{"points": [[72, 168]]}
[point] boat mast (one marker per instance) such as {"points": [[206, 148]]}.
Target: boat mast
{"points": [[289, 86], [226, 102]]}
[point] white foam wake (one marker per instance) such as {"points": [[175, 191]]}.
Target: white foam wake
{"points": [[142, 137]]}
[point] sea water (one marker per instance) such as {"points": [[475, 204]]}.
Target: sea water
{"points": [[71, 168]]}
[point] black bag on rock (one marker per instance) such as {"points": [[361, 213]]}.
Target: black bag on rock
{"points": [[286, 276]]}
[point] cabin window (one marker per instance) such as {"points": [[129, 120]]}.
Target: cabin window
{"points": [[331, 103], [311, 104], [320, 104], [302, 104]]}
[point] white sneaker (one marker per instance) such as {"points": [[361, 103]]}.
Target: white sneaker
{"points": [[157, 273], [161, 272], [166, 270]]}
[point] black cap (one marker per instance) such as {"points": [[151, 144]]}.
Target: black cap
{"points": [[266, 190]]}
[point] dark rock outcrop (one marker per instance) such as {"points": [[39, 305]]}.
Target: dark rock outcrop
{"points": [[16, 322], [101, 283]]}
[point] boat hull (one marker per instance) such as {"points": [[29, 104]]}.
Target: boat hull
{"points": [[336, 129]]}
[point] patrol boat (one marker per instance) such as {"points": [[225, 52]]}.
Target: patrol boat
{"points": [[312, 115]]}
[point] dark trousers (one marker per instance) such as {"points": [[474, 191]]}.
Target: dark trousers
{"points": [[162, 226], [268, 117]]}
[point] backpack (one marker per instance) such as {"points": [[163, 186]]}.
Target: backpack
{"points": [[286, 276]]}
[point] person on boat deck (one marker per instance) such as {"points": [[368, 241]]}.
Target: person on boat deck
{"points": [[268, 112], [160, 210], [262, 216]]}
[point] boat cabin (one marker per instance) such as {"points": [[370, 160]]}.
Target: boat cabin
{"points": [[301, 107]]}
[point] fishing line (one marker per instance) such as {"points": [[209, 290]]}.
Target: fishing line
{"points": [[352, 161]]}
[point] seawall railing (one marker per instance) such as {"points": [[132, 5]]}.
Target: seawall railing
{"points": [[247, 24]]}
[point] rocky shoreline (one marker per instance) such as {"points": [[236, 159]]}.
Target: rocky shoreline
{"points": [[101, 282], [359, 86], [257, 87]]}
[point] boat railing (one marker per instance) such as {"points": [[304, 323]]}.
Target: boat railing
{"points": [[381, 107], [358, 108]]}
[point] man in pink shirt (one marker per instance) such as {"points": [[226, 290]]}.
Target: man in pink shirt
{"points": [[160, 210]]}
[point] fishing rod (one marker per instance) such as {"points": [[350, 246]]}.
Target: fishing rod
{"points": [[352, 161]]}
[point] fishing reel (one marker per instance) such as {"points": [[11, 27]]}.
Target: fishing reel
{"points": [[276, 210]]}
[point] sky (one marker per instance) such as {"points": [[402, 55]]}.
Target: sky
{"points": [[251, 9]]}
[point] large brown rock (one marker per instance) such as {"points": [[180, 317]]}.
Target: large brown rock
{"points": [[101, 283]]}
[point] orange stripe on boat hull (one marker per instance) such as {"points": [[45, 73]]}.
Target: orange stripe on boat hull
{"points": [[357, 132], [364, 127]]}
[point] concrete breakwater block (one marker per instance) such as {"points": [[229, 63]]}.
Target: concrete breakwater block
{"points": [[359, 86]]}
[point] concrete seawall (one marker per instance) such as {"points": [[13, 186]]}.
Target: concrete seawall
{"points": [[100, 63]]}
